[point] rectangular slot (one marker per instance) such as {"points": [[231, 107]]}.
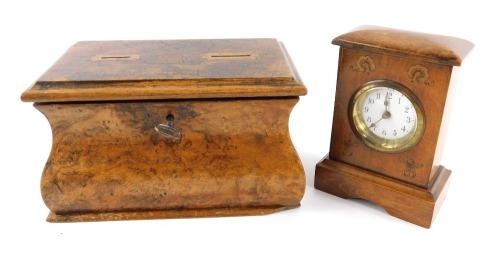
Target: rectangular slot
{"points": [[231, 55], [114, 57], [124, 57]]}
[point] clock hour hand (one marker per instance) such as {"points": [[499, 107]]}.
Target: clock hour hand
{"points": [[386, 102]]}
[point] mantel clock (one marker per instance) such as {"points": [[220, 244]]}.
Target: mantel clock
{"points": [[391, 104]]}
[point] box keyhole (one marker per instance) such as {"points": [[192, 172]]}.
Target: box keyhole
{"points": [[170, 120]]}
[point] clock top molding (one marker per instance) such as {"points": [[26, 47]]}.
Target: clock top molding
{"points": [[432, 48]]}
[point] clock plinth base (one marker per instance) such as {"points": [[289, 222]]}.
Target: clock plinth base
{"points": [[166, 214], [405, 201]]}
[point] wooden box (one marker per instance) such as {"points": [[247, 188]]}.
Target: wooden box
{"points": [[162, 129]]}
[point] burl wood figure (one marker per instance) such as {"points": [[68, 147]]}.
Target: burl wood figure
{"points": [[391, 107], [162, 129]]}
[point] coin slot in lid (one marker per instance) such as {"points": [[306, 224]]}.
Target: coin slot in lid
{"points": [[115, 57], [230, 55]]}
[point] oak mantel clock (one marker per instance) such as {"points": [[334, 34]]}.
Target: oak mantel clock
{"points": [[391, 104]]}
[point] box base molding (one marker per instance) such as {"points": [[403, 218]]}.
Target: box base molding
{"points": [[166, 214], [411, 203]]}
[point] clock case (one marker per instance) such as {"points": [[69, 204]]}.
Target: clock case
{"points": [[411, 184], [168, 129]]}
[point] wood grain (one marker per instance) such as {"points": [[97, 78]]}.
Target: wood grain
{"points": [[234, 154], [165, 214], [405, 201], [172, 69], [178, 128], [346, 146], [410, 184], [425, 47]]}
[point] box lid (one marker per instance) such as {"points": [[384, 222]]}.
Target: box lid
{"points": [[170, 69], [426, 47]]}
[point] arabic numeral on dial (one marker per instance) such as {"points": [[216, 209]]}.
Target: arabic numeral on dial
{"points": [[395, 133], [399, 101], [371, 101], [384, 132], [389, 95], [408, 119], [366, 109], [404, 128], [378, 96], [369, 119], [406, 109]]}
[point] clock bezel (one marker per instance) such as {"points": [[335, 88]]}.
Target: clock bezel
{"points": [[369, 138]]}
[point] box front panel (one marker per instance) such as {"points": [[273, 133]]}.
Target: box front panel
{"points": [[159, 155]]}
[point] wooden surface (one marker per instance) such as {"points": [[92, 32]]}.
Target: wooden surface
{"points": [[425, 47], [420, 160], [408, 184], [166, 214], [126, 147], [408, 202], [36, 33], [172, 69], [108, 162]]}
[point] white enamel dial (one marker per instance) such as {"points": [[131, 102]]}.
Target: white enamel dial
{"points": [[388, 113], [387, 116]]}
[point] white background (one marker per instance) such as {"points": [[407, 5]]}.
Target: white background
{"points": [[34, 34]]}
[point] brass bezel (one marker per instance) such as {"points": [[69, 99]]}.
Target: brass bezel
{"points": [[367, 136]]}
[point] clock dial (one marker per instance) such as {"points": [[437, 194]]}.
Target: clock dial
{"points": [[387, 116], [388, 113]]}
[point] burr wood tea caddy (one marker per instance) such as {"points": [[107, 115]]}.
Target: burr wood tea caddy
{"points": [[162, 129]]}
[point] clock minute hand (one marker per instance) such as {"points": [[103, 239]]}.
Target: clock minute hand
{"points": [[385, 115]]}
